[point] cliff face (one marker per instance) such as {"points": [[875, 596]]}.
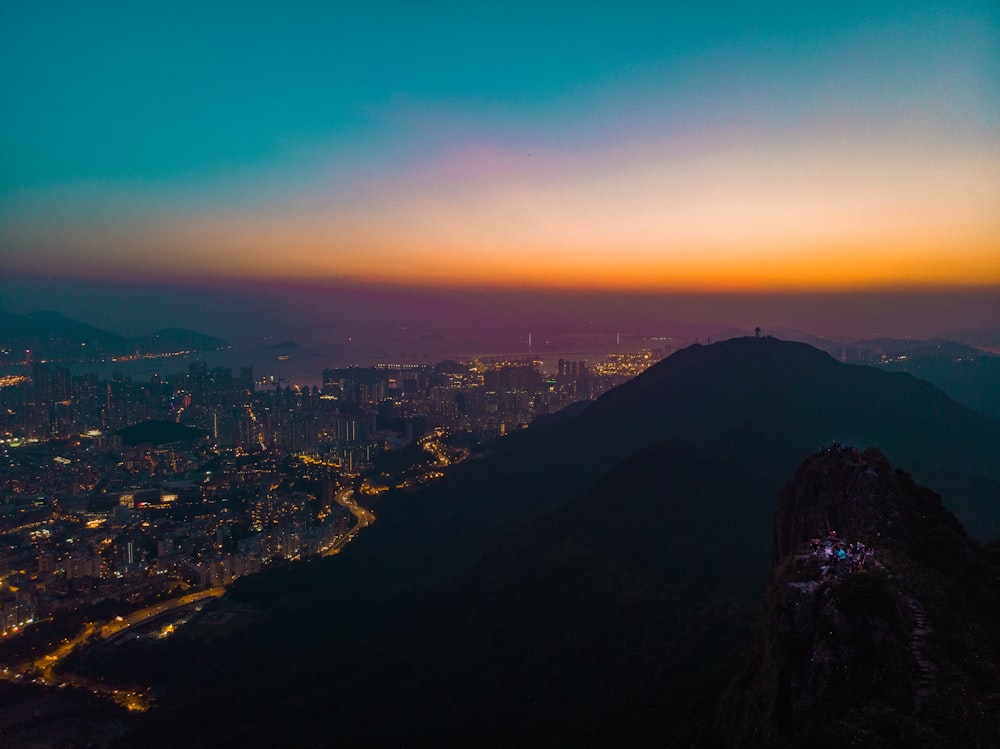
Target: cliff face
{"points": [[880, 624]]}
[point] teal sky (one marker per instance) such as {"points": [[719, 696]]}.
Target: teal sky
{"points": [[506, 143], [148, 91]]}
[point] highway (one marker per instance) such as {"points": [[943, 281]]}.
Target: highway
{"points": [[141, 616], [363, 517], [42, 670]]}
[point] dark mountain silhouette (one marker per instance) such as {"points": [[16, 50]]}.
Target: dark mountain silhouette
{"points": [[907, 346], [971, 380], [967, 374], [54, 336], [620, 618], [46, 325], [450, 366], [895, 645], [591, 580]]}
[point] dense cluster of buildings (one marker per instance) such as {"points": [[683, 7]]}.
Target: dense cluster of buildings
{"points": [[355, 407], [83, 521]]}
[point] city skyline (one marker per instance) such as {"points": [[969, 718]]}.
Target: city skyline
{"points": [[718, 152]]}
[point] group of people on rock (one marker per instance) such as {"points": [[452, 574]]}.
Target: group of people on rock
{"points": [[841, 557]]}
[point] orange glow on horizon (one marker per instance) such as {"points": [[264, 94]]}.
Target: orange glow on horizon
{"points": [[833, 266], [755, 216]]}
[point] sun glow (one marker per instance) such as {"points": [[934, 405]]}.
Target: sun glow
{"points": [[753, 215]]}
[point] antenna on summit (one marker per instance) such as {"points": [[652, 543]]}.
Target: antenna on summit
{"points": [[529, 342]]}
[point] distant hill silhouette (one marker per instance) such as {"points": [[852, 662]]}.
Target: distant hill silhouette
{"points": [[593, 579], [45, 325], [967, 374], [898, 346], [450, 366], [971, 380], [54, 336]]}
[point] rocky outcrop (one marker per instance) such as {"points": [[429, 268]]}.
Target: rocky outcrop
{"points": [[841, 490], [880, 621]]}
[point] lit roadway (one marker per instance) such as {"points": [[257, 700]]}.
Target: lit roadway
{"points": [[364, 517], [44, 667], [157, 609], [445, 456]]}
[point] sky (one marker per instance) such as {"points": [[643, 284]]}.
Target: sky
{"points": [[627, 149]]}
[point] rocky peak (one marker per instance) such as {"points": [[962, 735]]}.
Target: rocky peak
{"points": [[841, 490], [880, 621]]}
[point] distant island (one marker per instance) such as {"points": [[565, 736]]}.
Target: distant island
{"points": [[288, 345]]}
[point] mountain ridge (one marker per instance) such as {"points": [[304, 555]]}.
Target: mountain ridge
{"points": [[591, 578]]}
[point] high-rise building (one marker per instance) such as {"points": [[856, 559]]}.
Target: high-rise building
{"points": [[128, 553]]}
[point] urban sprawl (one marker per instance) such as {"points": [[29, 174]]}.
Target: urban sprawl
{"points": [[145, 492]]}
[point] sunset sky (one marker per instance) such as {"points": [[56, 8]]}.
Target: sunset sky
{"points": [[628, 147]]}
